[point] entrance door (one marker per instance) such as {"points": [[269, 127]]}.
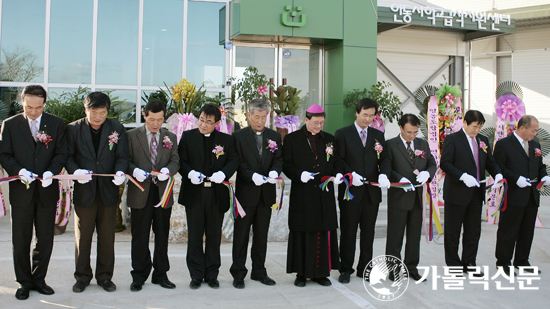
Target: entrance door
{"points": [[292, 65]]}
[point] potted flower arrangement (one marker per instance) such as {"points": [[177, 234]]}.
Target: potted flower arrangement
{"points": [[187, 101], [286, 103]]}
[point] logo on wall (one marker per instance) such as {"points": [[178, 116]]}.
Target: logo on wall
{"points": [[287, 53], [287, 15], [386, 278]]}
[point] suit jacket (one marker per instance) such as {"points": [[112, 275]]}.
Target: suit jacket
{"points": [[192, 156], [456, 159], [140, 157], [362, 160], [19, 150], [250, 162], [401, 166], [311, 209], [82, 155], [513, 162]]}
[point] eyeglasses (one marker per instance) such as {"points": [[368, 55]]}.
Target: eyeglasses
{"points": [[209, 123]]}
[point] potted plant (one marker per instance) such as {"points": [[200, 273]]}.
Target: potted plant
{"points": [[286, 103], [252, 86]]}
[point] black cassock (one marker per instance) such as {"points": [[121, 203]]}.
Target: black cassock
{"points": [[312, 219]]}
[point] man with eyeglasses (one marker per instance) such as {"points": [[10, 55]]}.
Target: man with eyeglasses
{"points": [[464, 159], [413, 163], [361, 149], [207, 158]]}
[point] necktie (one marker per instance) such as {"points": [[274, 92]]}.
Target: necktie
{"points": [[34, 128], [476, 155], [410, 151], [526, 147], [154, 150], [363, 137]]}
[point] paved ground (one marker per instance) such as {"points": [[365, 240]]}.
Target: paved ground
{"points": [[284, 294]]}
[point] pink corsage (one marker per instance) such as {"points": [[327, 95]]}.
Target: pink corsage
{"points": [[113, 139], [218, 150], [378, 147], [419, 153], [538, 153], [329, 150], [41, 136], [166, 142], [272, 145], [483, 146]]}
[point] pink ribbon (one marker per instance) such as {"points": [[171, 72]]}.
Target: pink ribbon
{"points": [[179, 123], [289, 122]]}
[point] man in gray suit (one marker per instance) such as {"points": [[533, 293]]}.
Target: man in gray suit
{"points": [[412, 162], [152, 148]]}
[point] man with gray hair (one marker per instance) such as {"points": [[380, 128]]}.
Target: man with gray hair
{"points": [[260, 154], [520, 159]]}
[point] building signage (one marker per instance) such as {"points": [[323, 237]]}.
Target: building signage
{"points": [[287, 16], [448, 18]]}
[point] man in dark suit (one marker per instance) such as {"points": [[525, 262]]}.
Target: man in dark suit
{"points": [[412, 162], [465, 157], [260, 155], [309, 155], [356, 145], [520, 160], [152, 148], [33, 144], [207, 158], [96, 145]]}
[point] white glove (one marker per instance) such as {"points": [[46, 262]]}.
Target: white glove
{"points": [[119, 178], [498, 177], [546, 180], [47, 179], [26, 176], [217, 177], [357, 180], [258, 179], [469, 180], [338, 179], [139, 174], [272, 175], [523, 182], [423, 177], [83, 172], [165, 174], [384, 181], [306, 176], [195, 177], [407, 189]]}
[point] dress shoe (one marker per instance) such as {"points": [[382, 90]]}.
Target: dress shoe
{"points": [[238, 283], [322, 281], [392, 276], [472, 269], [416, 277], [107, 285], [344, 278], [22, 293], [136, 286], [213, 283], [528, 269], [300, 281], [165, 283], [195, 284], [264, 280], [43, 288], [80, 286], [508, 269]]}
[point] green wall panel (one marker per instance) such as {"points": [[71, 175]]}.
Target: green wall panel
{"points": [[263, 17], [324, 19]]}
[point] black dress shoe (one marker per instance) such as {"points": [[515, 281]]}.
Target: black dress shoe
{"points": [[416, 277], [107, 285], [472, 269], [136, 286], [195, 284], [264, 280], [214, 283], [22, 293], [528, 269], [344, 278], [300, 281], [165, 283], [80, 286], [322, 281], [238, 283], [44, 289]]}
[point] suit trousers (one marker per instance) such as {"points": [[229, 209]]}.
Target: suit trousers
{"points": [[466, 217], [42, 217], [141, 220], [363, 215], [516, 229], [204, 219], [400, 220], [258, 217], [101, 218]]}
